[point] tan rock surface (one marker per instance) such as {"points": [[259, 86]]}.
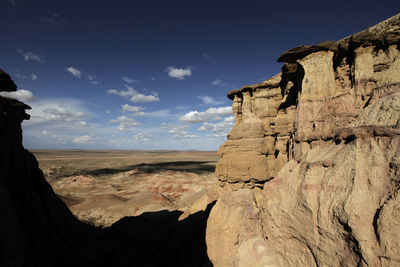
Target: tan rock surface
{"points": [[327, 204], [234, 219], [320, 160]]}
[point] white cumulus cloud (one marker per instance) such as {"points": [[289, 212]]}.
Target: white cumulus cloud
{"points": [[135, 96], [129, 108], [74, 71], [22, 95], [178, 73], [218, 129], [210, 114]]}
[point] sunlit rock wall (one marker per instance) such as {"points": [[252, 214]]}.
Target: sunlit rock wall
{"points": [[310, 174]]}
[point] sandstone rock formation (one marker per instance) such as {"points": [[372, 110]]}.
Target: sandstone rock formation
{"points": [[310, 175]]}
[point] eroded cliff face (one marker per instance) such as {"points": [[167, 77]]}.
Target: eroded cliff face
{"points": [[309, 175]]}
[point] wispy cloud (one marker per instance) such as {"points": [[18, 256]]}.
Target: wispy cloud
{"points": [[93, 79], [208, 57], [125, 124], [12, 2], [178, 131], [77, 73], [129, 108], [52, 19], [81, 124], [128, 79], [210, 114], [85, 139], [162, 113], [20, 76], [28, 56], [216, 82], [33, 76], [178, 73], [142, 137], [22, 95], [140, 114], [135, 96], [61, 114], [208, 100]]}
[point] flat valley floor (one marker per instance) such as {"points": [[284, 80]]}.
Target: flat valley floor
{"points": [[103, 186]]}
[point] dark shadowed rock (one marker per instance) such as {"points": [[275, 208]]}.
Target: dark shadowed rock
{"points": [[6, 84]]}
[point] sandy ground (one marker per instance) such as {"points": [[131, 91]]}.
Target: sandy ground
{"points": [[102, 186]]}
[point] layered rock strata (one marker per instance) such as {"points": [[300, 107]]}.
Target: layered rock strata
{"points": [[309, 175]]}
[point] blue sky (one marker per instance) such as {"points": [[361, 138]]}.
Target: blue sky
{"points": [[154, 74]]}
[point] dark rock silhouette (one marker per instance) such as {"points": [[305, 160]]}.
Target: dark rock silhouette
{"points": [[6, 84]]}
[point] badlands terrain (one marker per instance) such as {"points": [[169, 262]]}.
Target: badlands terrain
{"points": [[103, 186]]}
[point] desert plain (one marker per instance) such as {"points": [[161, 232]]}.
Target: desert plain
{"points": [[103, 186]]}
